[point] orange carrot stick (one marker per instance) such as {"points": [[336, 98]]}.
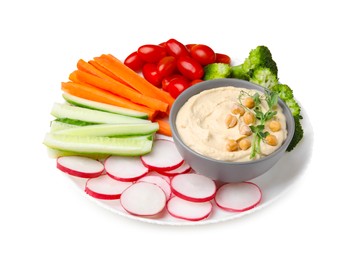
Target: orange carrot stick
{"points": [[89, 68], [121, 90], [99, 95], [132, 78], [104, 71], [164, 127]]}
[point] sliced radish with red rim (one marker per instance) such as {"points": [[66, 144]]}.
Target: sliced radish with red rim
{"points": [[105, 187], [160, 181], [163, 157], [79, 166], [193, 187], [184, 168], [125, 168], [187, 210], [238, 197], [143, 199]]}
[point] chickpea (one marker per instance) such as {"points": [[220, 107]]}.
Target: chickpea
{"points": [[231, 145], [244, 144], [249, 118], [238, 110], [245, 130], [271, 140], [230, 121], [274, 126], [249, 102]]}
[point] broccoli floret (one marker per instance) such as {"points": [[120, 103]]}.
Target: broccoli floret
{"points": [[264, 77], [217, 71], [294, 106], [284, 91], [258, 57], [238, 73], [298, 134]]}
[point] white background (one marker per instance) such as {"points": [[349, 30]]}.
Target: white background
{"points": [[318, 48]]}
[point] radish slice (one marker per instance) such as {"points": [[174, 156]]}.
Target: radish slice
{"points": [[238, 197], [106, 188], [184, 168], [153, 173], [143, 199], [125, 168], [160, 181], [163, 157], [193, 211], [79, 166], [193, 187]]}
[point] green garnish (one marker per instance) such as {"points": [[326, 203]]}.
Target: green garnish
{"points": [[259, 134]]}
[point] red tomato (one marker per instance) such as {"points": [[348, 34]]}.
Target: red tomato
{"points": [[151, 53], [196, 81], [176, 49], [165, 81], [189, 46], [166, 66], [203, 54], [177, 86], [223, 58], [190, 68], [150, 73], [134, 62]]}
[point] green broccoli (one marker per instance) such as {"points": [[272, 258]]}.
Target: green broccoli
{"points": [[298, 134], [284, 91], [258, 57], [294, 106], [216, 71], [264, 77]]}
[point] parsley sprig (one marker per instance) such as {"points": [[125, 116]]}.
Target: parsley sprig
{"points": [[259, 134]]}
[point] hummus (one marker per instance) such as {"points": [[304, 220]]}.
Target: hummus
{"points": [[201, 124]]}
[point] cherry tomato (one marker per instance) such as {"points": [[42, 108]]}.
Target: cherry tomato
{"points": [[189, 46], [195, 81], [150, 73], [203, 54], [134, 62], [177, 86], [190, 68], [166, 66], [151, 53], [176, 48], [165, 81], [223, 58]]}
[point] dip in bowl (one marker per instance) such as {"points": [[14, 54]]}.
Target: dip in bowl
{"points": [[209, 128]]}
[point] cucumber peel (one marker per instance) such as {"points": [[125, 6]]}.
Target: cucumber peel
{"points": [[89, 145], [81, 102]]}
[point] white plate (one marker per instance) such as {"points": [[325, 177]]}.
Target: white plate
{"points": [[273, 184]]}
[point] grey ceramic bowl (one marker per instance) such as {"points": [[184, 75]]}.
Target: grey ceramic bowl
{"points": [[222, 170]]}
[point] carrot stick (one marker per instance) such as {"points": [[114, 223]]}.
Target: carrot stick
{"points": [[121, 90], [164, 127], [132, 78], [104, 71], [87, 67], [99, 95]]}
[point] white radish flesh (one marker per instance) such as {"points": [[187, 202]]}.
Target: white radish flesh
{"points": [[238, 197], [160, 181], [105, 187], [163, 157], [184, 168], [193, 187], [125, 168], [79, 166], [187, 210], [143, 199]]}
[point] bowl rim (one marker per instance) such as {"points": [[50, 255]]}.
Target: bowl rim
{"points": [[225, 82]]}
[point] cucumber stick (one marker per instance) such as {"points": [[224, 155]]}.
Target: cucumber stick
{"points": [[98, 144], [112, 130], [92, 116], [58, 126], [81, 102]]}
